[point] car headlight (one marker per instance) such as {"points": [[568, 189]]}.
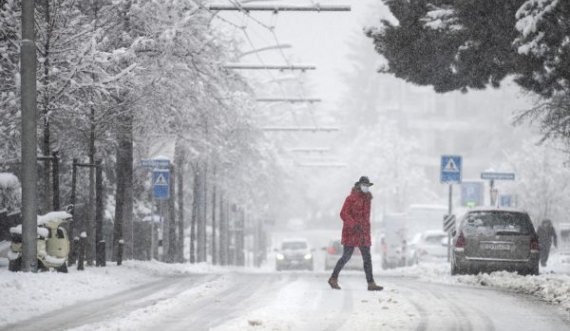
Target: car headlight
{"points": [[308, 256], [280, 256]]}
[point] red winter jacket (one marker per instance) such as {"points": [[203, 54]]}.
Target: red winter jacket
{"points": [[355, 215]]}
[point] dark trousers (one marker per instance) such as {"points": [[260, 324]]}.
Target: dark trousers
{"points": [[347, 254], [544, 252]]}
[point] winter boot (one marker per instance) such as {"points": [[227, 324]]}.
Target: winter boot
{"points": [[333, 282], [373, 287]]}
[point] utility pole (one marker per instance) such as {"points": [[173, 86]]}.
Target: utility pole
{"points": [[29, 139]]}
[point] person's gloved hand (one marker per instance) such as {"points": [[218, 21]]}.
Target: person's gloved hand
{"points": [[358, 228]]}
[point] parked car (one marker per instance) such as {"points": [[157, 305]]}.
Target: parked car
{"points": [[489, 239], [52, 243], [333, 253], [392, 240], [294, 254], [430, 245]]}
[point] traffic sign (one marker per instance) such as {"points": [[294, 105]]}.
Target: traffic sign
{"points": [[450, 169], [498, 175], [448, 223], [155, 163], [472, 194], [505, 200], [161, 184]]}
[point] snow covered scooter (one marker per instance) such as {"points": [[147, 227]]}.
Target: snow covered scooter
{"points": [[52, 243]]}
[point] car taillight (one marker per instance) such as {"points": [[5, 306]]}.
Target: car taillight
{"points": [[534, 244], [331, 250], [460, 242]]}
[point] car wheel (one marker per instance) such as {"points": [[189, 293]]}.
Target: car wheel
{"points": [[454, 269], [41, 266], [63, 268], [15, 265]]}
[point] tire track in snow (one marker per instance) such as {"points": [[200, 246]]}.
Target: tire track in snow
{"points": [[83, 313]]}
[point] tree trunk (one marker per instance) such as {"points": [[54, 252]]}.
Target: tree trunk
{"points": [[128, 232], [202, 211], [195, 213], [171, 252], [90, 226], [124, 171], [46, 197], [214, 210], [223, 232]]}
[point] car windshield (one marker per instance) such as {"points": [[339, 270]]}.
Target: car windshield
{"points": [[493, 222], [294, 245], [435, 239]]}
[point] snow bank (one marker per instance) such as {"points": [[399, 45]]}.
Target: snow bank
{"points": [[549, 287]]}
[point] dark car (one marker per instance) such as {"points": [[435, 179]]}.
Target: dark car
{"points": [[495, 239], [294, 254]]}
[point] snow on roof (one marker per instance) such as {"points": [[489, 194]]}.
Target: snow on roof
{"points": [[42, 232], [54, 215], [490, 208]]}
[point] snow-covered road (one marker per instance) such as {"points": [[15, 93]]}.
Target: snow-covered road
{"points": [[242, 300]]}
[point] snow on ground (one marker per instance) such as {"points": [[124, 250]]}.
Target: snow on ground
{"points": [[25, 295], [552, 285], [30, 294]]}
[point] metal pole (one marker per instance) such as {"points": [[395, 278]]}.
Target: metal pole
{"points": [[152, 243], [278, 8], [291, 100], [75, 242], [29, 139], [301, 67], [492, 186], [449, 210], [100, 242]]}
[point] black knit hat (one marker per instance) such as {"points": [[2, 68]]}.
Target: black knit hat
{"points": [[364, 180]]}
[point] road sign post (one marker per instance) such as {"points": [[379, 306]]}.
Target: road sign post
{"points": [[450, 174], [491, 176]]}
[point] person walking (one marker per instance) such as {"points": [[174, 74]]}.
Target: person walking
{"points": [[355, 215], [546, 236]]}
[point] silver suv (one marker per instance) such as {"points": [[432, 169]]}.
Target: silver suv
{"points": [[495, 239]]}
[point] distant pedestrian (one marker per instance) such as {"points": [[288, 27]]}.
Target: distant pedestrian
{"points": [[355, 215], [546, 236]]}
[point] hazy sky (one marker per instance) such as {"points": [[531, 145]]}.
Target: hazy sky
{"points": [[316, 38]]}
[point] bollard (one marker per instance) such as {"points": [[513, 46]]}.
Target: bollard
{"points": [[73, 251], [82, 243], [100, 255], [120, 252]]}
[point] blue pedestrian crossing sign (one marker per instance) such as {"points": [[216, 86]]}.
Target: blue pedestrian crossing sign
{"points": [[450, 169], [161, 184]]}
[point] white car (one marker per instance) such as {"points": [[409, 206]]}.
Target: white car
{"points": [[294, 254], [430, 245]]}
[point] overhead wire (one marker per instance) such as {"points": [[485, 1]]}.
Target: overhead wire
{"points": [[271, 29]]}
